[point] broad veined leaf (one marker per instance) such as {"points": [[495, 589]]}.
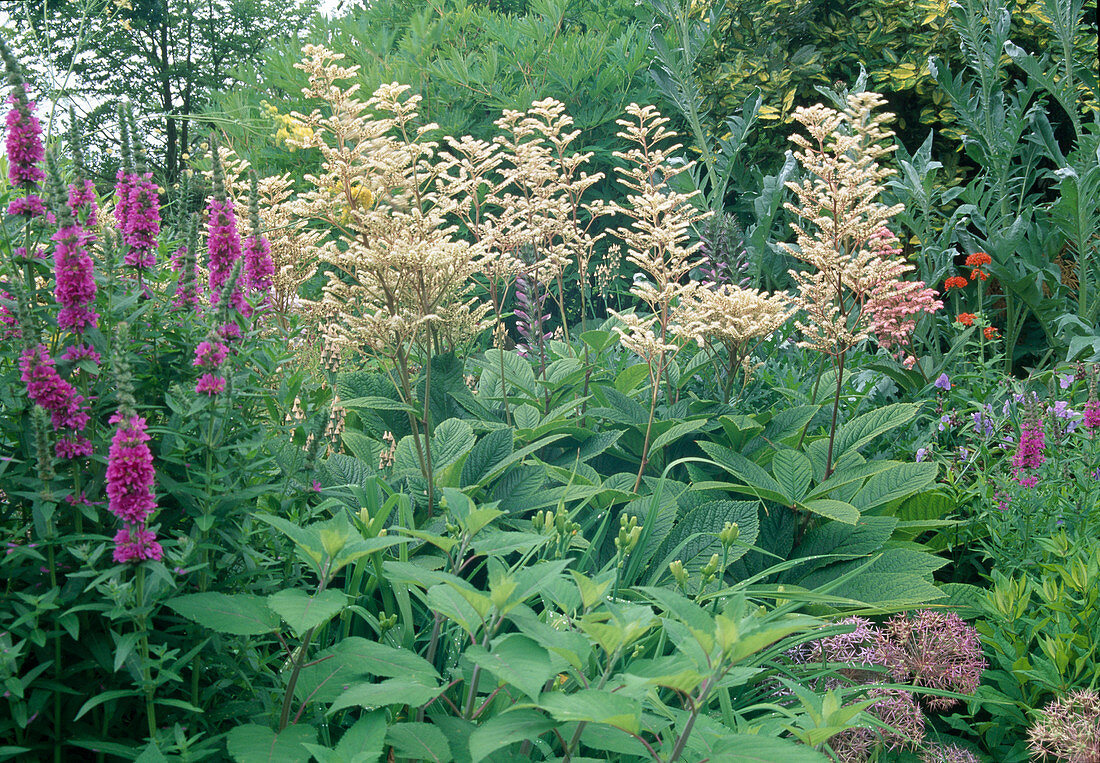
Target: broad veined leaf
{"points": [[830, 509], [900, 481], [451, 440], [793, 471], [595, 706], [515, 660], [509, 727], [489, 451], [694, 536], [673, 433], [302, 611], [253, 743], [757, 481], [241, 614], [862, 429], [367, 656], [391, 691], [419, 741]]}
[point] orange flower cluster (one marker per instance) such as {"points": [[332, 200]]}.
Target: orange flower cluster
{"points": [[954, 282], [990, 333], [976, 261], [966, 319]]}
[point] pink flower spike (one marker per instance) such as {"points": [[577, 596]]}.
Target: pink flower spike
{"points": [[209, 384]]}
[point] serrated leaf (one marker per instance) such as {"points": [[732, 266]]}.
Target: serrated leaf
{"points": [[594, 706], [509, 727], [673, 433], [793, 471], [366, 656], [630, 377], [705, 522], [240, 614], [253, 743], [451, 440], [391, 691], [899, 481], [302, 611], [489, 451], [830, 509], [419, 741], [862, 429], [757, 481], [515, 660]]}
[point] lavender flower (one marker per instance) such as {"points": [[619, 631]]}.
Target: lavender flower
{"points": [[530, 319], [943, 382], [983, 422], [1065, 381]]}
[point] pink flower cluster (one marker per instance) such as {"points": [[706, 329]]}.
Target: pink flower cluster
{"points": [[82, 204], [141, 224], [936, 650], [931, 649], [1029, 452], [209, 356], [224, 247], [67, 409], [125, 182], [75, 287], [258, 266], [24, 144], [1092, 415], [893, 303], [130, 479]]}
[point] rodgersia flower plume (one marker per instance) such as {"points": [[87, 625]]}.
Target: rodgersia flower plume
{"points": [[856, 288]]}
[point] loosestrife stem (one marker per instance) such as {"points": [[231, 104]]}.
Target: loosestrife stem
{"points": [[146, 671]]}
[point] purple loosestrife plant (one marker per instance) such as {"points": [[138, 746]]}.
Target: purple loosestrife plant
{"points": [[187, 282], [223, 240], [259, 270]]}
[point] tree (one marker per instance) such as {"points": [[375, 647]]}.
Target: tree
{"points": [[166, 56]]}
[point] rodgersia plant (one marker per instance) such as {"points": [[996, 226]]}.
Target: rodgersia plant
{"points": [[856, 287]]}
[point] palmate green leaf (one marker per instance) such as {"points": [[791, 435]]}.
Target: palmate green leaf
{"points": [[898, 481], [862, 429], [253, 743], [302, 611], [240, 614], [757, 748], [365, 656], [391, 691], [694, 536], [517, 372], [489, 451], [630, 377], [594, 706], [374, 403], [830, 509], [794, 472], [757, 481], [509, 727], [451, 440], [515, 660], [419, 741], [675, 432], [364, 742]]}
